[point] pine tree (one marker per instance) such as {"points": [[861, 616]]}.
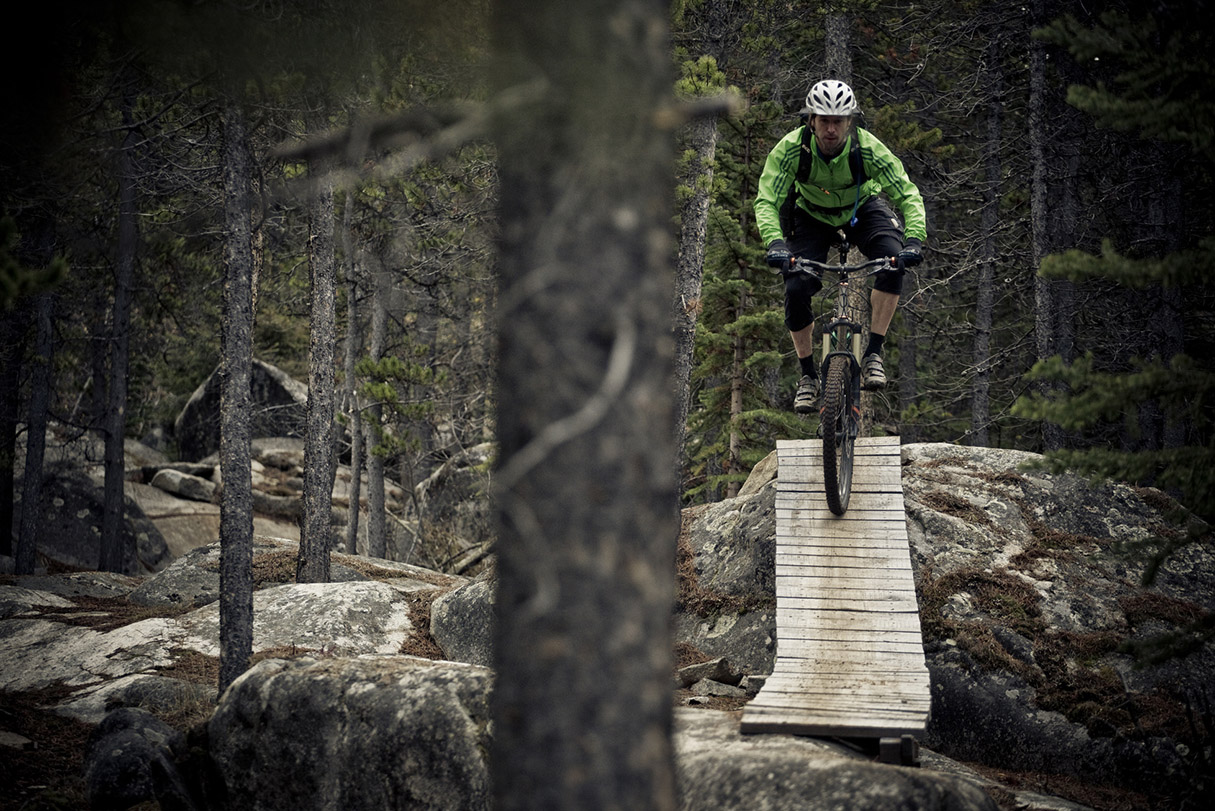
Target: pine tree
{"points": [[1150, 86]]}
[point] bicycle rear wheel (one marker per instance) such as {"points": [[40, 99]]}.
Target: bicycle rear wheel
{"points": [[839, 438]]}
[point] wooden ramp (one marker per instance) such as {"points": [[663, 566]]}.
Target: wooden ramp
{"points": [[849, 657]]}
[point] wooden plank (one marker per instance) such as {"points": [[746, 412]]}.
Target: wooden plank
{"points": [[809, 580], [812, 517], [813, 514], [787, 691], [859, 661], [866, 445], [808, 475], [894, 715], [801, 589], [810, 468], [791, 553], [906, 697], [792, 645], [886, 556], [794, 620], [846, 568], [783, 720], [903, 685], [890, 711], [907, 604], [840, 705], [900, 685], [859, 636], [872, 535]]}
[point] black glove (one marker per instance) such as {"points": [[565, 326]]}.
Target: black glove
{"points": [[778, 255], [910, 256]]}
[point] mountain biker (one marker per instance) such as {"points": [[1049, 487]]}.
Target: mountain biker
{"points": [[832, 199]]}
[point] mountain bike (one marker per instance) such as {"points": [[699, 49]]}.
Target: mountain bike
{"points": [[840, 415]]}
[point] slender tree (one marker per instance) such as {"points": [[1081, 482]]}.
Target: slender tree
{"points": [[993, 83], [236, 505], [354, 412], [116, 551], [1045, 308], [319, 464], [35, 436], [377, 520]]}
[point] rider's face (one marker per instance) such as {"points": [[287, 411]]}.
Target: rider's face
{"points": [[830, 131]]}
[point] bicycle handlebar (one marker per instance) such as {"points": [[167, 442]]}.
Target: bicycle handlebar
{"points": [[873, 265]]}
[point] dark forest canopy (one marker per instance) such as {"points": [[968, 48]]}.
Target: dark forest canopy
{"points": [[1125, 104]]}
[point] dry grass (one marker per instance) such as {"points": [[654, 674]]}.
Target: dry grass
{"points": [[420, 642], [50, 775]]}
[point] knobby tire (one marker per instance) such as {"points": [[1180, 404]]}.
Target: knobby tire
{"points": [[838, 438]]}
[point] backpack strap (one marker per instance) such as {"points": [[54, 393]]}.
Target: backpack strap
{"points": [[856, 164], [804, 161]]}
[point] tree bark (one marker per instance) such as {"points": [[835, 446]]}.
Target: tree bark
{"points": [[1044, 304], [319, 469], [980, 391], [35, 436], [584, 491], [838, 48], [701, 136], [115, 547], [12, 349], [353, 411], [236, 505], [738, 375], [377, 520]]}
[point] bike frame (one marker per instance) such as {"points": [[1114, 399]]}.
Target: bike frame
{"points": [[840, 417], [842, 335]]}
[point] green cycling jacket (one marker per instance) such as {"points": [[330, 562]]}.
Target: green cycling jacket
{"points": [[830, 189]]}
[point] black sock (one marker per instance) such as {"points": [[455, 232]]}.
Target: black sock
{"points": [[808, 366], [875, 344]]}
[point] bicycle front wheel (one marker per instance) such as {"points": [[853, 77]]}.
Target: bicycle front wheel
{"points": [[839, 438]]}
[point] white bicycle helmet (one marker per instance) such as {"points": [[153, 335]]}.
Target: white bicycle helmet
{"points": [[831, 97]]}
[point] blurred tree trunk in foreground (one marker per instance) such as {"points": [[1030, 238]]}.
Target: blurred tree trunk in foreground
{"points": [[584, 490]]}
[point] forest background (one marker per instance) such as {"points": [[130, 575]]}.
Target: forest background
{"points": [[1064, 153]]}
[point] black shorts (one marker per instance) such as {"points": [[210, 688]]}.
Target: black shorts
{"points": [[877, 233]]}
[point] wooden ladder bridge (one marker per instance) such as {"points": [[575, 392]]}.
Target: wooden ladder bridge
{"points": [[849, 655]]}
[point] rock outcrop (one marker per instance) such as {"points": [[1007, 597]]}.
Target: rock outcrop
{"points": [[279, 408], [363, 733], [1030, 600], [70, 526], [134, 758], [1029, 603]]}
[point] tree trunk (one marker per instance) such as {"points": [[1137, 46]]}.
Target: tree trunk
{"points": [[115, 554], [377, 519], [838, 48], [353, 410], [980, 387], [236, 505], [317, 519], [1044, 304], [701, 139], [584, 491], [35, 436], [12, 348], [738, 378]]}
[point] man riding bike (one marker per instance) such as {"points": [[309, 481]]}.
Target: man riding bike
{"points": [[825, 177]]}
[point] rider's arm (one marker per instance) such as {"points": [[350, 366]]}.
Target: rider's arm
{"points": [[779, 172], [883, 166]]}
